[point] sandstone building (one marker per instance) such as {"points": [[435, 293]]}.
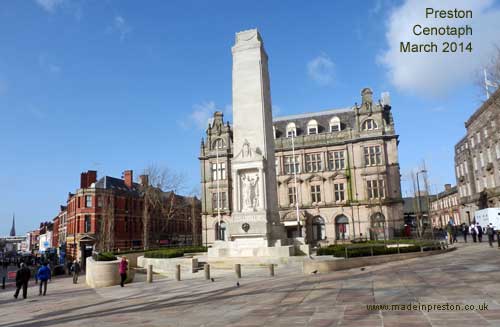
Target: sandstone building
{"points": [[445, 206], [347, 174], [477, 156]]}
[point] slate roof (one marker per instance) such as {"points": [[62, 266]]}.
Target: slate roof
{"points": [[346, 116], [111, 183]]}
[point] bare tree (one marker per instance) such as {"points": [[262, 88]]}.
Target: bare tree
{"points": [[107, 224], [161, 202], [488, 78]]}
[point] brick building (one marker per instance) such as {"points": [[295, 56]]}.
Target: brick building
{"points": [[445, 206]]}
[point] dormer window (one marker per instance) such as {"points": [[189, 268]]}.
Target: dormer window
{"points": [[312, 127], [291, 130], [369, 125], [335, 124]]}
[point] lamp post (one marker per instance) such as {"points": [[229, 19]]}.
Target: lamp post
{"points": [[423, 171], [299, 233]]}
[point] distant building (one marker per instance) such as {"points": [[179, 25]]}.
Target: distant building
{"points": [[348, 177], [445, 206], [477, 155]]}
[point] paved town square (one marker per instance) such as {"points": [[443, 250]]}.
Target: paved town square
{"points": [[469, 275]]}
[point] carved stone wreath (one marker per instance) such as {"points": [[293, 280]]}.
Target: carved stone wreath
{"points": [[245, 227]]}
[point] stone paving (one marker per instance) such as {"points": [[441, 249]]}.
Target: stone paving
{"points": [[469, 275]]}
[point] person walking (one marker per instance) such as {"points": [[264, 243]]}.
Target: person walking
{"points": [[123, 270], [473, 232], [75, 269], [449, 232], [479, 233], [491, 234], [465, 231], [455, 233], [43, 275], [23, 276]]}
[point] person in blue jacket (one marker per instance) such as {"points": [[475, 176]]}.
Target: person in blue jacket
{"points": [[43, 275]]}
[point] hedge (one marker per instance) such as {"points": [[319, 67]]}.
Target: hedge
{"points": [[174, 252], [379, 248], [105, 256]]}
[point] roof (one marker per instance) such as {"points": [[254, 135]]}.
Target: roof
{"points": [[452, 190], [112, 183], [346, 116]]}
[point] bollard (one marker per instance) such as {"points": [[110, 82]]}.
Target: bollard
{"points": [[206, 268], [421, 248], [150, 274], [3, 282], [271, 270], [398, 249], [237, 270], [178, 272], [194, 266], [371, 250]]}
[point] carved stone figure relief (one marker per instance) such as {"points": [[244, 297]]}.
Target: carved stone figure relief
{"points": [[250, 191]]}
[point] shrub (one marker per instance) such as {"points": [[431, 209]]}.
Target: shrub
{"points": [[164, 253], [105, 256], [379, 248]]}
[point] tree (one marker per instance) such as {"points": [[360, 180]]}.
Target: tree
{"points": [[159, 205], [107, 224]]}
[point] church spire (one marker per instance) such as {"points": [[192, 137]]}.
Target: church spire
{"points": [[13, 228]]}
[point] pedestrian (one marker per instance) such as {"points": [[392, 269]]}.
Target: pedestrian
{"points": [[23, 276], [479, 233], [491, 234], [465, 231], [123, 270], [449, 232], [455, 233], [473, 232], [43, 275], [75, 269]]}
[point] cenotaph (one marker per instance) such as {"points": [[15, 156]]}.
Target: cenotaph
{"points": [[254, 228]]}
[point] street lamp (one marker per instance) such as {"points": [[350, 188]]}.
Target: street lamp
{"points": [[423, 171]]}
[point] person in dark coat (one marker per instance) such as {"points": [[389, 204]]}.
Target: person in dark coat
{"points": [[491, 234], [43, 275], [479, 233], [75, 269], [23, 276], [465, 231]]}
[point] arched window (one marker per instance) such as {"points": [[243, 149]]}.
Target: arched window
{"points": [[318, 228], [220, 231], [291, 130], [342, 227], [377, 230], [335, 124], [312, 127], [369, 125], [218, 144]]}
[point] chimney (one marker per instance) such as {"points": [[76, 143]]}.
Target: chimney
{"points": [[83, 180], [144, 180], [128, 178], [91, 177], [447, 187]]}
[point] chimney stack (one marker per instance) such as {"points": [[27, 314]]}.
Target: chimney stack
{"points": [[128, 178], [144, 180], [447, 187], [86, 179]]}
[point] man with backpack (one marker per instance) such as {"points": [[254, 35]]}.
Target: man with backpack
{"points": [[491, 233], [465, 231]]}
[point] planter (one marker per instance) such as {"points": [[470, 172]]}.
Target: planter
{"points": [[104, 273]]}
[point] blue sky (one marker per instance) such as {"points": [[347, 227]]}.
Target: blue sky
{"points": [[115, 85]]}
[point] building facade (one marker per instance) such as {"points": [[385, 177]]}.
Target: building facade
{"points": [[445, 207], [340, 167], [477, 155]]}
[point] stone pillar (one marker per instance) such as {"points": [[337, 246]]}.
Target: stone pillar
{"points": [[237, 270], [206, 269], [178, 272]]}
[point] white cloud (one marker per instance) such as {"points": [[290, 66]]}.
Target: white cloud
{"points": [[438, 73], [120, 26], [201, 115], [49, 6], [320, 69]]}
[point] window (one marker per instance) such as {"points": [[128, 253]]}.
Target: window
{"points": [[465, 167], [335, 124], [292, 195], [474, 162], [316, 193], [369, 125], [277, 162], [218, 171], [481, 158], [472, 142], [312, 127], [489, 155], [99, 202], [339, 192], [289, 165], [291, 130], [87, 224], [313, 162], [485, 182], [478, 137], [457, 170], [372, 155], [218, 144], [497, 150], [222, 200], [336, 160], [88, 201], [375, 189], [485, 133]]}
